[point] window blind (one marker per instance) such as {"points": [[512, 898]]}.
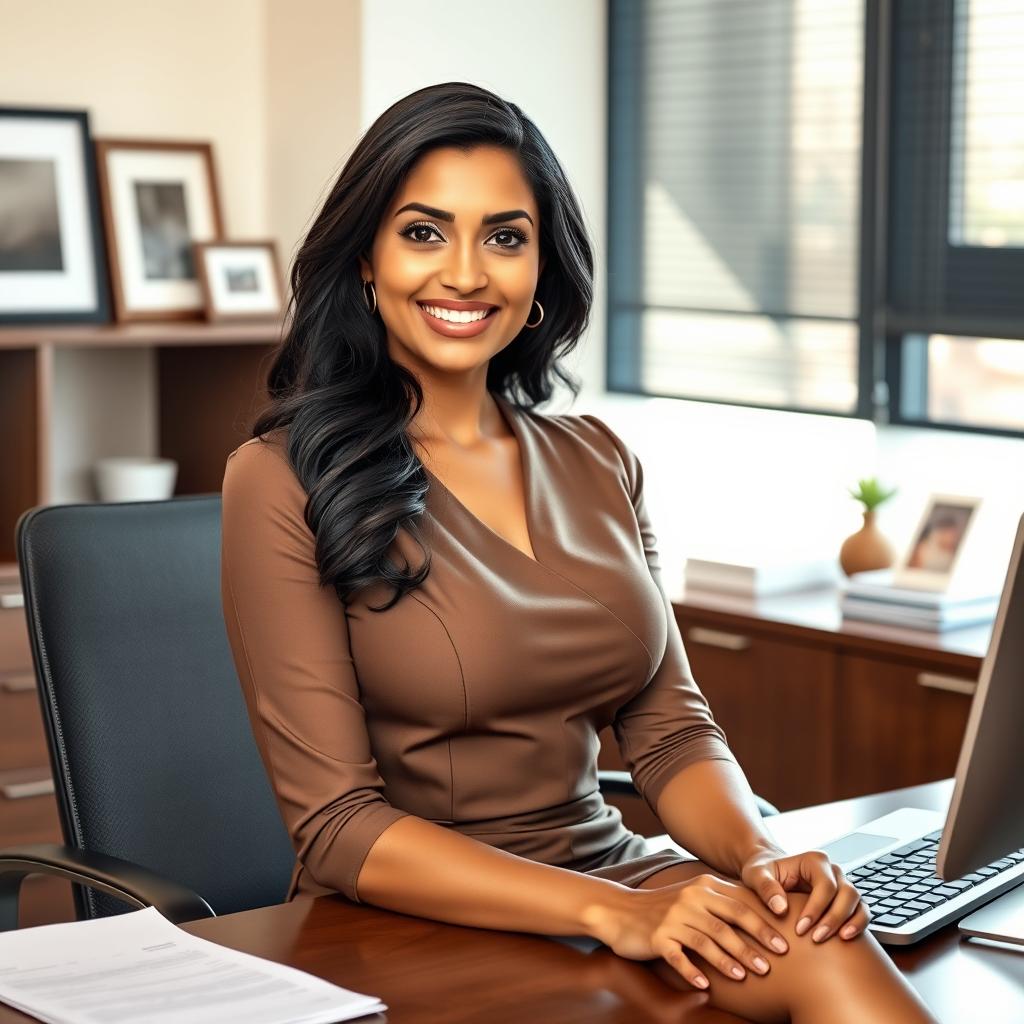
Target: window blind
{"points": [[734, 181]]}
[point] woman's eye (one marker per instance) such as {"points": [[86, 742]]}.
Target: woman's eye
{"points": [[413, 232], [514, 233]]}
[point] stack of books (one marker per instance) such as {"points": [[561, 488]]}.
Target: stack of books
{"points": [[759, 577], [873, 596]]}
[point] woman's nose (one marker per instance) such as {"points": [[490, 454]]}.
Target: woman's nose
{"points": [[463, 268]]}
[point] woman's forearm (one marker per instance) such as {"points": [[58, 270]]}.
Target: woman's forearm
{"points": [[424, 869], [709, 809]]}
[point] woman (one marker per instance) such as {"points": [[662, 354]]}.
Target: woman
{"points": [[436, 597]]}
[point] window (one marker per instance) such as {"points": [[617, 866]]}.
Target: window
{"points": [[819, 205]]}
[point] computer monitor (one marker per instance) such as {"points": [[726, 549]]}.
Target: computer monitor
{"points": [[985, 820]]}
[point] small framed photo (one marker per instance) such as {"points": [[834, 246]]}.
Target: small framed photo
{"points": [[53, 266], [937, 543], [240, 280], [158, 198]]}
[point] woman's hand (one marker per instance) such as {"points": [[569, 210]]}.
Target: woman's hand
{"points": [[770, 873], [698, 914]]}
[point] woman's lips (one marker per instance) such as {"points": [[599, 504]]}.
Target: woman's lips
{"points": [[452, 330]]}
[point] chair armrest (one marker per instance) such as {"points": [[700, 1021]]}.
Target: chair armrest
{"points": [[621, 784], [112, 875], [616, 783]]}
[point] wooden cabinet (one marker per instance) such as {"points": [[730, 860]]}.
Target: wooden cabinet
{"points": [[898, 724], [820, 708], [72, 394], [68, 395], [775, 699], [28, 810]]}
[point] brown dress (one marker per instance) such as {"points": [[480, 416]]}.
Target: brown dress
{"points": [[475, 702]]}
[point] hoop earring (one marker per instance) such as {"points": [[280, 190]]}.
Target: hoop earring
{"points": [[539, 322], [373, 292]]}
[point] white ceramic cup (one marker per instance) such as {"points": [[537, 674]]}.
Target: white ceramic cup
{"points": [[129, 478]]}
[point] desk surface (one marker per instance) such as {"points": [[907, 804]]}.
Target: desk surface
{"points": [[511, 977]]}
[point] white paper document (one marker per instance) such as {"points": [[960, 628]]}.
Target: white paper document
{"points": [[138, 968]]}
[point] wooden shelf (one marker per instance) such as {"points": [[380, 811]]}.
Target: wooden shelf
{"points": [[164, 333], [71, 393]]}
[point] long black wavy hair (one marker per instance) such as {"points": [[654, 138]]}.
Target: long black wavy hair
{"points": [[344, 403]]}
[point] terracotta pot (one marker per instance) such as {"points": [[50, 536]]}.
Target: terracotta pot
{"points": [[866, 549]]}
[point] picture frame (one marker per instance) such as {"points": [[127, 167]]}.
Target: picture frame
{"points": [[53, 263], [937, 543], [157, 198], [240, 280]]}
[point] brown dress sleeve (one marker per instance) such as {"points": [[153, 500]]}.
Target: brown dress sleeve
{"points": [[668, 724], [290, 642]]}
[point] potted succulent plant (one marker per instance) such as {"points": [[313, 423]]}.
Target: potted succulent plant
{"points": [[868, 548]]}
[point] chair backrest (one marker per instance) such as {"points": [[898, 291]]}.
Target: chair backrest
{"points": [[150, 743]]}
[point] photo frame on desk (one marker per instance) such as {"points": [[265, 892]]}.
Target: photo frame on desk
{"points": [[157, 198], [53, 261], [937, 543]]}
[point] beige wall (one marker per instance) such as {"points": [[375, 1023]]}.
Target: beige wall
{"points": [[273, 85], [314, 71], [191, 70]]}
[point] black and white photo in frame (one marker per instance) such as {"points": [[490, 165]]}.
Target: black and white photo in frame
{"points": [[241, 280], [52, 259], [158, 199]]}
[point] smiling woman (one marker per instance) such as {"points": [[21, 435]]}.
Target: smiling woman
{"points": [[435, 753], [475, 277]]}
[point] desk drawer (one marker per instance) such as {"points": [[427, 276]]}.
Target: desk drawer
{"points": [[28, 819], [15, 652], [22, 737], [902, 724]]}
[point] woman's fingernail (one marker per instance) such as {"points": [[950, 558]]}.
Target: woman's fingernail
{"points": [[778, 945], [701, 980], [849, 931], [738, 972], [820, 933], [761, 964], [802, 925], [777, 903]]}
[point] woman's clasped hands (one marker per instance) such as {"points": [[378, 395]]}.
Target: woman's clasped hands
{"points": [[771, 873], [713, 917]]}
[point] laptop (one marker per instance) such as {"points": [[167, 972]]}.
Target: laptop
{"points": [[918, 869]]}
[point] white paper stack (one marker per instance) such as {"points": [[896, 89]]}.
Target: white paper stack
{"points": [[138, 968], [872, 596], [759, 577]]}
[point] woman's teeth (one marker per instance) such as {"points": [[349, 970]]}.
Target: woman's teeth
{"points": [[455, 316]]}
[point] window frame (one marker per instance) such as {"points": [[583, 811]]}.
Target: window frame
{"points": [[909, 276]]}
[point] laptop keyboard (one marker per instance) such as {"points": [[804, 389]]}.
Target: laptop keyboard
{"points": [[902, 885]]}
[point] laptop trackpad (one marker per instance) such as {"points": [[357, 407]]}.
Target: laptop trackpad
{"points": [[856, 845]]}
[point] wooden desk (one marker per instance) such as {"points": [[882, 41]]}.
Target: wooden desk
{"points": [[431, 972]]}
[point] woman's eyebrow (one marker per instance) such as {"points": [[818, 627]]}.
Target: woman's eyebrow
{"points": [[491, 218]]}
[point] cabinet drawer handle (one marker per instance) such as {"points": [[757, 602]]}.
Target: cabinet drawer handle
{"points": [[23, 790], [15, 600], [717, 638], [953, 684], [18, 682]]}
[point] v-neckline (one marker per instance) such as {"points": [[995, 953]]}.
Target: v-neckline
{"points": [[508, 413]]}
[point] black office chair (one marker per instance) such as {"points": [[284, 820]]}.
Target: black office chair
{"points": [[160, 789]]}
